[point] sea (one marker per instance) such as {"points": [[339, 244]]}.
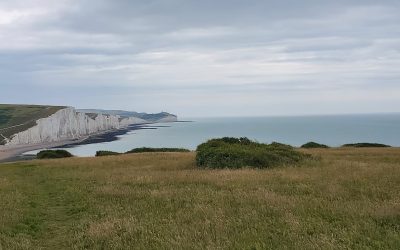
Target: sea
{"points": [[332, 130]]}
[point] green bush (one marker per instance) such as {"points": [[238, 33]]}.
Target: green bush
{"points": [[53, 154], [106, 153], [366, 145], [313, 145], [241, 152], [145, 150]]}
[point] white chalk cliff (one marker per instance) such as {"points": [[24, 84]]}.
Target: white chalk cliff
{"points": [[67, 124]]}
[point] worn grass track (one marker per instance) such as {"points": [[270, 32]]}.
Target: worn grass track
{"points": [[350, 198]]}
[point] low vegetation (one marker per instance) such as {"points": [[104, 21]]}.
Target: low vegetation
{"points": [[142, 150], [313, 145], [53, 154], [241, 152], [147, 150], [347, 200], [366, 145], [106, 153]]}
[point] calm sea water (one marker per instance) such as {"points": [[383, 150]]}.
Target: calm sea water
{"points": [[330, 130]]}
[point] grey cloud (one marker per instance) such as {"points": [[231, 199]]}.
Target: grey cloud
{"points": [[191, 50]]}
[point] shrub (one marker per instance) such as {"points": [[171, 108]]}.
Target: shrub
{"points": [[53, 154], [242, 152], [366, 145], [106, 153], [144, 150], [314, 145]]}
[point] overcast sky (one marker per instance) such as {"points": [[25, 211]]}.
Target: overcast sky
{"points": [[203, 58]]}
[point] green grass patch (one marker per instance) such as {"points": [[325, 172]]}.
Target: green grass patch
{"points": [[230, 152], [314, 145], [53, 154]]}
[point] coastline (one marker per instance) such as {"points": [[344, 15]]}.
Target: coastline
{"points": [[107, 136], [15, 153]]}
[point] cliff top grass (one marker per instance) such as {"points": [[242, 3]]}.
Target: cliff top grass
{"points": [[347, 200], [16, 118], [230, 152]]}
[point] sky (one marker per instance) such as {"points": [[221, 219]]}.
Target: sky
{"points": [[203, 58]]}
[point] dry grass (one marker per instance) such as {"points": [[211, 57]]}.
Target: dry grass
{"points": [[350, 198]]}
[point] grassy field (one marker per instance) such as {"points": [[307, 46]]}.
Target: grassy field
{"points": [[349, 198], [16, 118]]}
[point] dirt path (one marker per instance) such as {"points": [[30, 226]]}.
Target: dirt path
{"points": [[18, 125], [4, 138]]}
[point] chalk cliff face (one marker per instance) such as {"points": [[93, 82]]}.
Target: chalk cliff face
{"points": [[68, 124]]}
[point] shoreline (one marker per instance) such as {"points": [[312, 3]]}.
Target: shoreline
{"points": [[16, 153], [107, 136]]}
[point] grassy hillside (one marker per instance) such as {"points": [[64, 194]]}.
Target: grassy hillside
{"points": [[16, 118], [347, 199]]}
